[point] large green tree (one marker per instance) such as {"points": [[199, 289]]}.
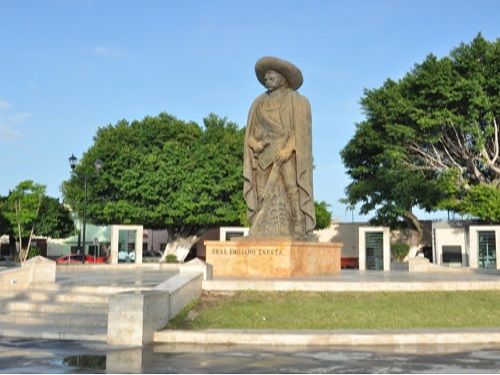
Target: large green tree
{"points": [[163, 172], [431, 139]]}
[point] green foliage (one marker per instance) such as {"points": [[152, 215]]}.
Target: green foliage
{"points": [[429, 138], [399, 251], [22, 207], [55, 220], [162, 172], [5, 227], [171, 258], [33, 252], [323, 216], [482, 201]]}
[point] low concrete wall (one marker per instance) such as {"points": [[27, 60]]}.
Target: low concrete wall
{"points": [[134, 317], [193, 265], [399, 266], [33, 271], [423, 265], [181, 290]]}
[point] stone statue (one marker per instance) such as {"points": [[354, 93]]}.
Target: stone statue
{"points": [[277, 171]]}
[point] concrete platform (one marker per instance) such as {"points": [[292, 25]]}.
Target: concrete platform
{"points": [[75, 307], [364, 281]]}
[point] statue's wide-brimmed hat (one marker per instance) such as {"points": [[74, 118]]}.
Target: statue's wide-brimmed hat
{"points": [[292, 74]]}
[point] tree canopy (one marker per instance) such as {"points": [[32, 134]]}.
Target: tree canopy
{"points": [[431, 139], [323, 215], [54, 220], [162, 172]]}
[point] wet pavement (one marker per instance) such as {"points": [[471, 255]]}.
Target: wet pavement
{"points": [[48, 356]]}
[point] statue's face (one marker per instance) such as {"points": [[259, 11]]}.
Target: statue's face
{"points": [[273, 80]]}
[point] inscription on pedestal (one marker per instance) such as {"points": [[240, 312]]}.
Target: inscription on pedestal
{"points": [[247, 252], [272, 258]]}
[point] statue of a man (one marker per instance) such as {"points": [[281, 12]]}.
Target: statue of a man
{"points": [[278, 183]]}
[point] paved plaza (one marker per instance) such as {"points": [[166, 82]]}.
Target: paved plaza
{"points": [[139, 278], [368, 281], [346, 280], [50, 356], [425, 351]]}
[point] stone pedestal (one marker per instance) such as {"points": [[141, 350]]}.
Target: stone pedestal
{"points": [[272, 258]]}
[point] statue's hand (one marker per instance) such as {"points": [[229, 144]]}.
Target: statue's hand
{"points": [[257, 146], [284, 155]]}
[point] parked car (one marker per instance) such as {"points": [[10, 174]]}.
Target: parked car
{"points": [[349, 263], [91, 259], [80, 259], [71, 259]]}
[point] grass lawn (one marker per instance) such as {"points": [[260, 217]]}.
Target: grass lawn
{"points": [[312, 310]]}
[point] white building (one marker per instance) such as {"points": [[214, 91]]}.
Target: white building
{"points": [[465, 244]]}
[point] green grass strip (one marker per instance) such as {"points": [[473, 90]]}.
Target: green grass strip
{"points": [[310, 310]]}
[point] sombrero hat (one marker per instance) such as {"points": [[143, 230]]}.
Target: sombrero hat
{"points": [[292, 74]]}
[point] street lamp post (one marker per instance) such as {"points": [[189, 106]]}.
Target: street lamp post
{"points": [[98, 167]]}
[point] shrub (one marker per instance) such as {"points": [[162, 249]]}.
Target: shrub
{"points": [[171, 258], [399, 251], [34, 251]]}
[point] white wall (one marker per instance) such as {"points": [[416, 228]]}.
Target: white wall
{"points": [[455, 236], [344, 233]]}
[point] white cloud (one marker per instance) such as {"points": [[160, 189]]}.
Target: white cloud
{"points": [[19, 117], [9, 121], [107, 52], [4, 105], [8, 135]]}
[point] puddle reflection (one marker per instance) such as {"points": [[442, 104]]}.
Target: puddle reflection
{"points": [[49, 356], [86, 362]]}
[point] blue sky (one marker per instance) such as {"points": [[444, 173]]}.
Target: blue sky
{"points": [[69, 67]]}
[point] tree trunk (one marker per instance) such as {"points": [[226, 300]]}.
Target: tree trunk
{"points": [[181, 240], [179, 247], [417, 228], [14, 253]]}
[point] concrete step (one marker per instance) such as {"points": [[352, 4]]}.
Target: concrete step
{"points": [[90, 289], [53, 332], [55, 319], [65, 297], [12, 306]]}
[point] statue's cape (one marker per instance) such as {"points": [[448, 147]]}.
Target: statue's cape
{"points": [[295, 113]]}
